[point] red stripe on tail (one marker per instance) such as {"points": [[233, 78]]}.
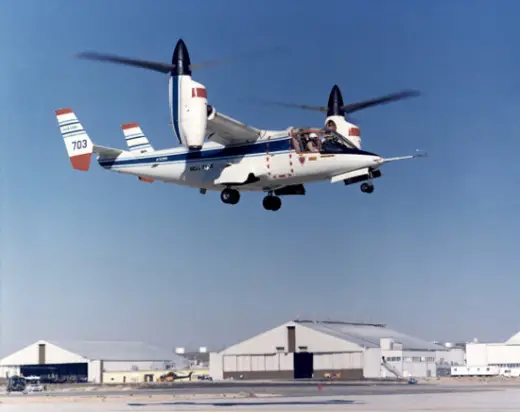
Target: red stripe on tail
{"points": [[129, 126], [81, 162], [61, 112]]}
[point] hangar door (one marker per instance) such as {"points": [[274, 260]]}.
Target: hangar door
{"points": [[303, 365], [57, 373]]}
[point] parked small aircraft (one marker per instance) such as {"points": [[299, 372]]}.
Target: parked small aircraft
{"points": [[220, 153], [172, 376]]}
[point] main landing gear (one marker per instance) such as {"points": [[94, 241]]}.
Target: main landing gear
{"points": [[230, 196], [271, 202], [367, 187]]}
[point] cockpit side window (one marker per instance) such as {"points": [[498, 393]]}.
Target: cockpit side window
{"points": [[306, 142]]}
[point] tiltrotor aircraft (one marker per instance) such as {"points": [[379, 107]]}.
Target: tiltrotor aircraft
{"points": [[219, 153]]}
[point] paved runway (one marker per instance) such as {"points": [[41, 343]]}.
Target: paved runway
{"points": [[503, 400], [278, 389]]}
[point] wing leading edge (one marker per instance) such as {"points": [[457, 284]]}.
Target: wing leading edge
{"points": [[226, 130]]}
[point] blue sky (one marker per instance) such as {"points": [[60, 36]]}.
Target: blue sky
{"points": [[102, 256]]}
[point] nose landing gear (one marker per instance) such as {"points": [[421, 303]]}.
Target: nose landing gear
{"points": [[367, 187], [230, 196], [271, 202]]}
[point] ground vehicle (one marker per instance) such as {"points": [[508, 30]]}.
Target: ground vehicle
{"points": [[16, 384], [33, 384]]}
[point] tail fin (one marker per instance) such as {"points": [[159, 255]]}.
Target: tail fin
{"points": [[78, 144], [135, 138]]}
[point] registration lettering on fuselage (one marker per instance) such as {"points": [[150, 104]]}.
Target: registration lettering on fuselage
{"points": [[198, 168]]}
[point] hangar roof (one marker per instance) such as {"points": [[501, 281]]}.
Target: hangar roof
{"points": [[118, 351], [367, 335]]}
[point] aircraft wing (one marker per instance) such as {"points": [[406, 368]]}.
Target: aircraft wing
{"points": [[226, 130]]}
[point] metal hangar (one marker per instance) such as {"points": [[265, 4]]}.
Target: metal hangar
{"points": [[85, 360], [316, 349], [492, 358]]}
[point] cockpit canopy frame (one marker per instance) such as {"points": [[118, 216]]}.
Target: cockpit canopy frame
{"points": [[320, 140]]}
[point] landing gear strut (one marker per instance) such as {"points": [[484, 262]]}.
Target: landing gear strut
{"points": [[367, 187], [230, 196], [273, 203]]}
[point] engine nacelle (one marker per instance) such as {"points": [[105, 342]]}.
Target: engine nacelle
{"points": [[188, 103], [349, 130]]}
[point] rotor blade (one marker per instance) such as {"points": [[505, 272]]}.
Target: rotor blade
{"points": [[242, 56], [167, 67], [291, 105], [145, 64], [354, 107]]}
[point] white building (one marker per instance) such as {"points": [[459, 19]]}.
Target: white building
{"points": [[305, 349], [499, 358], [87, 359]]}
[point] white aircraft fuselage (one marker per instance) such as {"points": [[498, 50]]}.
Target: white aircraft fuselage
{"points": [[272, 161]]}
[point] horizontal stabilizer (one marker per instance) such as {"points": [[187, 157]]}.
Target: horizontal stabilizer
{"points": [[107, 151]]}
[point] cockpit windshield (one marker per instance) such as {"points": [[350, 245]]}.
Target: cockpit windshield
{"points": [[321, 141]]}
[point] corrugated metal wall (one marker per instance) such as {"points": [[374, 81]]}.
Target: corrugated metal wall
{"points": [[268, 362], [346, 365], [268, 366], [337, 361]]}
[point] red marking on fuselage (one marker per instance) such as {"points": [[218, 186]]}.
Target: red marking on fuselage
{"points": [[354, 131], [199, 92], [146, 179]]}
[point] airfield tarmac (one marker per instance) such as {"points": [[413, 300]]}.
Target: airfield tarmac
{"points": [[496, 397]]}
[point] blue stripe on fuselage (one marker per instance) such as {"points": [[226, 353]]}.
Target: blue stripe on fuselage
{"points": [[204, 154], [257, 149], [175, 106]]}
